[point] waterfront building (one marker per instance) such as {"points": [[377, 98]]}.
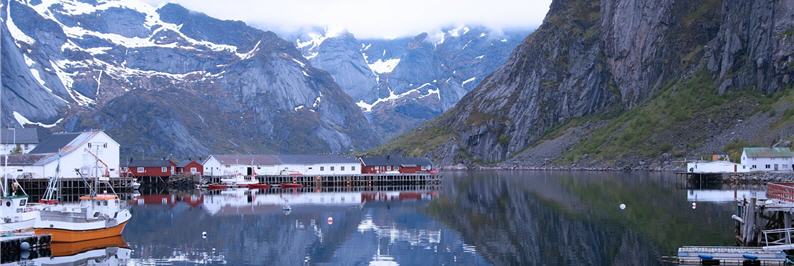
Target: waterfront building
{"points": [[767, 159], [394, 164], [240, 164], [150, 168], [92, 153], [189, 167], [318, 165], [18, 140], [711, 167]]}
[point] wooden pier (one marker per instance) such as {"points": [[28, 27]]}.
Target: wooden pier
{"points": [[358, 180], [70, 189], [707, 255], [23, 246]]}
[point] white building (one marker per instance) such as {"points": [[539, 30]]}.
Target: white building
{"points": [[18, 140], [93, 153], [318, 165], [311, 165], [767, 159], [711, 167], [238, 164]]}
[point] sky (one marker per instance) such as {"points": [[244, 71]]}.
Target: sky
{"points": [[374, 18]]}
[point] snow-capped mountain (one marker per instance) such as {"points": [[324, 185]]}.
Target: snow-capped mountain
{"points": [[169, 80], [402, 82]]}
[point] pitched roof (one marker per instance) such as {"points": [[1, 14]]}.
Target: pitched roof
{"points": [[54, 143], [20, 135], [315, 159], [24, 159], [149, 163], [394, 160], [756, 152], [184, 163], [252, 159]]}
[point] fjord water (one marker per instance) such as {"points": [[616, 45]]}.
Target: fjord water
{"points": [[475, 218]]}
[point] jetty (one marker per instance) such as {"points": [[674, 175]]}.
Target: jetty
{"points": [[23, 246], [70, 189]]}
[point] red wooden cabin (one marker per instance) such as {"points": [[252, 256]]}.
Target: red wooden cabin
{"points": [[190, 167], [162, 168]]}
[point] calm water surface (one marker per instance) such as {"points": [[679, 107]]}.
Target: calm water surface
{"points": [[481, 218]]}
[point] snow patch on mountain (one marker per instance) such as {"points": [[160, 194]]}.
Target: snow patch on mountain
{"points": [[23, 121], [16, 33], [381, 67]]}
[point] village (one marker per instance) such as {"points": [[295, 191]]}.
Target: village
{"points": [[94, 153]]}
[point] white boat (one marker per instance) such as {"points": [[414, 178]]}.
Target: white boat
{"points": [[239, 181], [135, 185], [15, 215]]}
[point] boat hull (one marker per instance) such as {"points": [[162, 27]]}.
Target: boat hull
{"points": [[65, 235], [18, 226]]}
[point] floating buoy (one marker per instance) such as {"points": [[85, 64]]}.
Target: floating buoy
{"points": [[330, 220], [204, 235], [24, 246], [694, 205], [622, 206]]}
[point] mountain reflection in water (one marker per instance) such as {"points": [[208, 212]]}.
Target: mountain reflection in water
{"points": [[475, 218]]}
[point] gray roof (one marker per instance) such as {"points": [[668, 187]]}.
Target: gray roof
{"points": [[55, 142], [149, 163], [22, 135], [394, 160], [24, 159], [315, 159], [253, 159], [777, 152]]}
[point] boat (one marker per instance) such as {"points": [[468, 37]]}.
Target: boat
{"points": [[259, 186], [238, 181], [96, 216], [104, 251], [135, 185], [291, 185], [216, 186], [15, 215]]}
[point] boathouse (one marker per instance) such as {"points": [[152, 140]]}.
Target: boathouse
{"points": [[18, 140], [151, 168], [189, 168], [711, 167], [92, 153], [241, 164], [394, 164], [318, 165], [767, 159]]}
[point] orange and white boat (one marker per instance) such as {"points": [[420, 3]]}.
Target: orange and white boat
{"points": [[95, 217]]}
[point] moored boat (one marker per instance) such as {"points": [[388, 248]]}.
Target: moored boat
{"points": [[95, 217], [239, 181], [15, 215], [291, 185]]}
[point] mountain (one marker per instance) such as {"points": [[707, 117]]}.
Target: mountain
{"points": [[169, 81], [400, 83], [627, 84]]}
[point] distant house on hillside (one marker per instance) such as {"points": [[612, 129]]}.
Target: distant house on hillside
{"points": [[18, 140], [189, 167], [150, 168], [92, 153], [767, 159], [394, 164]]}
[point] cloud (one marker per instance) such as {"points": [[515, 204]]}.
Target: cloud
{"points": [[374, 18]]}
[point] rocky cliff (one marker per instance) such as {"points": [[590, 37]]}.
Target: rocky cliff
{"points": [[617, 82], [169, 81]]}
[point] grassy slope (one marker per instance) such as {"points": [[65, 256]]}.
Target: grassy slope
{"points": [[646, 130]]}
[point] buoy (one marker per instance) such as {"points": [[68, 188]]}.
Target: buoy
{"points": [[204, 235], [24, 246], [622, 206], [330, 220], [694, 205]]}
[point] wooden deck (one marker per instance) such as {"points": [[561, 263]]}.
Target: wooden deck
{"points": [[71, 189], [359, 180]]}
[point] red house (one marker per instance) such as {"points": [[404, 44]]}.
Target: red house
{"points": [[190, 167], [162, 168], [394, 164]]}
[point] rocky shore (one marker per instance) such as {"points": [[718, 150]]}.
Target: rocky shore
{"points": [[757, 178]]}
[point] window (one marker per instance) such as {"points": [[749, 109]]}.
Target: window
{"points": [[112, 169], [753, 167], [332, 168], [19, 170], [139, 170], [165, 169], [767, 166], [322, 168], [341, 168], [193, 170], [352, 168]]}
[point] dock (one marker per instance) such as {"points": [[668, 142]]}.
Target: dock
{"points": [[70, 189], [23, 246], [708, 255], [353, 180]]}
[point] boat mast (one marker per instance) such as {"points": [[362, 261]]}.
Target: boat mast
{"points": [[5, 178]]}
